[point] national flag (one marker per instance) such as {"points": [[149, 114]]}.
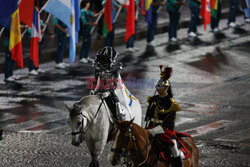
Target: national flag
{"points": [[7, 7], [61, 9], [214, 8], [64, 10], [35, 37], [148, 10], [108, 17], [205, 12], [26, 9], [130, 23], [77, 18], [72, 40], [15, 45]]}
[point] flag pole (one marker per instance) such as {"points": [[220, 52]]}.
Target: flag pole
{"points": [[1, 32], [181, 9], [117, 14], [47, 20], [24, 32], [159, 9], [97, 20], [43, 7]]}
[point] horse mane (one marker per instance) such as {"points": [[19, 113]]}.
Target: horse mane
{"points": [[86, 103], [126, 124], [90, 98], [140, 128]]}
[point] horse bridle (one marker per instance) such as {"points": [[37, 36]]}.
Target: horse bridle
{"points": [[81, 131], [125, 152]]}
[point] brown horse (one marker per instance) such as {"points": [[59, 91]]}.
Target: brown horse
{"points": [[134, 146]]}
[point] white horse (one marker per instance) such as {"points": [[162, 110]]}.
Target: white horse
{"points": [[90, 118]]}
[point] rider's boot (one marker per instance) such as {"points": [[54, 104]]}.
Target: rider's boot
{"points": [[176, 154], [121, 115]]}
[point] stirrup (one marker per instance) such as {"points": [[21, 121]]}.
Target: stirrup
{"points": [[119, 112]]}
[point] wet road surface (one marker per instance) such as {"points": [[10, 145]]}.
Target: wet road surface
{"points": [[210, 81]]}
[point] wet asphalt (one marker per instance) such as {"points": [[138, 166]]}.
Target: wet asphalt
{"points": [[210, 81]]}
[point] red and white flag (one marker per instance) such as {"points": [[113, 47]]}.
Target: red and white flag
{"points": [[130, 23], [35, 37]]}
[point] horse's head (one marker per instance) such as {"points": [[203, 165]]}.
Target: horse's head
{"points": [[77, 122], [123, 139]]}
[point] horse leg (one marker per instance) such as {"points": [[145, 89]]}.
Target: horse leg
{"points": [[94, 161]]}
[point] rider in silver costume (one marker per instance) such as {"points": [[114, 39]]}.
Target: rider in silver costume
{"points": [[107, 69]]}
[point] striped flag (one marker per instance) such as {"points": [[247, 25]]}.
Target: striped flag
{"points": [[35, 37], [61, 9], [108, 17], [205, 12], [214, 7], [64, 10], [15, 45]]}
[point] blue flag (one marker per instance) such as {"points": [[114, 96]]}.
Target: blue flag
{"points": [[7, 7], [61, 9], [77, 18]]}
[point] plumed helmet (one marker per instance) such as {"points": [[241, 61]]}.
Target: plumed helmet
{"points": [[165, 75], [106, 58]]}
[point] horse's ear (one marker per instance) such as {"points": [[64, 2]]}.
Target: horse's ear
{"points": [[68, 107], [130, 122], [117, 122]]}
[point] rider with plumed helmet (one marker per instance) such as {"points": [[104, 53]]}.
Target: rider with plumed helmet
{"points": [[107, 67], [161, 114]]}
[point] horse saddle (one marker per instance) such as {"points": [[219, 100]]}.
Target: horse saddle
{"points": [[165, 152]]}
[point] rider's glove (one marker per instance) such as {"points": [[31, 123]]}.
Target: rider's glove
{"points": [[156, 130]]}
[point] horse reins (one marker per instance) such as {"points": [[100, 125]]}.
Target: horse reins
{"points": [[132, 138], [145, 147], [81, 130]]}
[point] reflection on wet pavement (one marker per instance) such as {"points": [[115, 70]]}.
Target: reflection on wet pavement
{"points": [[239, 30], [211, 62], [49, 125], [207, 128]]}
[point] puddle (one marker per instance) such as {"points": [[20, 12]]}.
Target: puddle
{"points": [[13, 86], [28, 110], [244, 46], [211, 62], [24, 118], [80, 70], [49, 125], [207, 128]]}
